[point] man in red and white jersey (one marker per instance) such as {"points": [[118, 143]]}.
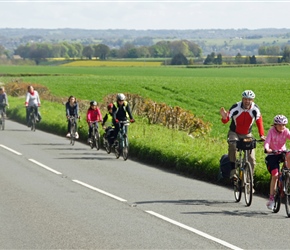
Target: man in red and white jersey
{"points": [[242, 115]]}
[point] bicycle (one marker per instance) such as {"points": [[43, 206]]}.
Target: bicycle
{"points": [[108, 139], [122, 146], [283, 185], [73, 127], [32, 117], [95, 137], [2, 116], [244, 181]]}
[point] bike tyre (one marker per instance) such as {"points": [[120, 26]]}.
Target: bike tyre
{"points": [[97, 140], [2, 125], [287, 194], [248, 184], [125, 149], [117, 153], [238, 190], [277, 199], [33, 122], [72, 134]]}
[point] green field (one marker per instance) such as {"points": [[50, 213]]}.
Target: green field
{"points": [[200, 90]]}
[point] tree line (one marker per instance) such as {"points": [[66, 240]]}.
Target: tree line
{"points": [[162, 49], [179, 51]]}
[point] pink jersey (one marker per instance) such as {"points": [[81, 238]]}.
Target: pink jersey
{"points": [[94, 115], [276, 140]]}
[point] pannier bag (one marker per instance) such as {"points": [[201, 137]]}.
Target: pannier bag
{"points": [[225, 166]]}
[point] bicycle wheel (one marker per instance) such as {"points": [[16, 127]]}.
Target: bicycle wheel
{"points": [[106, 144], [248, 183], [2, 121], [117, 150], [72, 134], [277, 199], [287, 193], [125, 149], [238, 190], [33, 122], [97, 140]]}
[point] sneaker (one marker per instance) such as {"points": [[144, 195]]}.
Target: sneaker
{"points": [[270, 204], [233, 174], [68, 135], [90, 141], [77, 135]]}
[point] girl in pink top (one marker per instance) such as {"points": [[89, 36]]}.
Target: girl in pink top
{"points": [[93, 115], [276, 141]]}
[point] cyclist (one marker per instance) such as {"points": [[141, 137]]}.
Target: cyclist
{"points": [[276, 141], [72, 109], [32, 100], [3, 100], [93, 114], [242, 115], [107, 123], [121, 111]]}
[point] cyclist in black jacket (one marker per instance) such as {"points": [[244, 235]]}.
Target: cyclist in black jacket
{"points": [[121, 112]]}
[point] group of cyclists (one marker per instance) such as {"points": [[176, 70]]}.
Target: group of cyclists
{"points": [[242, 116], [116, 112]]}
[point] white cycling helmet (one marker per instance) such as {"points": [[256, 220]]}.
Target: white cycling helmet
{"points": [[280, 119], [248, 94], [121, 97]]}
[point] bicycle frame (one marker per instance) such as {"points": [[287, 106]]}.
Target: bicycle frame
{"points": [[95, 135], [123, 142], [72, 121], [283, 186], [244, 169], [32, 117]]}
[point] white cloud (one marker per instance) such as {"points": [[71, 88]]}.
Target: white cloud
{"points": [[145, 15]]}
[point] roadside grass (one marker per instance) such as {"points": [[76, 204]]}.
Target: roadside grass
{"points": [[202, 91]]}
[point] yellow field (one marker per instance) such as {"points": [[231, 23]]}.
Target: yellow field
{"points": [[95, 63]]}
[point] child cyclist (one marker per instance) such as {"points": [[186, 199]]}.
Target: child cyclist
{"points": [[276, 141], [108, 125], [93, 115]]}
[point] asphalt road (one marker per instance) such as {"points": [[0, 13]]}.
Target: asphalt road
{"points": [[57, 196]]}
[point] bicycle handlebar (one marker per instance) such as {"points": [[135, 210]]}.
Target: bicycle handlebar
{"points": [[246, 139]]}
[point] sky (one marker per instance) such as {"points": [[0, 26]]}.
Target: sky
{"points": [[144, 15]]}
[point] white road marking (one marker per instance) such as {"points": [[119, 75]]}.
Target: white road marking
{"points": [[11, 150], [43, 166], [99, 190], [224, 243]]}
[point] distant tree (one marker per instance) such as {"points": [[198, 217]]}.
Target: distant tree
{"points": [[218, 60], [209, 59], [132, 53], [102, 51], [143, 51], [88, 52], [286, 54], [160, 49], [253, 59], [22, 51], [179, 59], [179, 47], [238, 58]]}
